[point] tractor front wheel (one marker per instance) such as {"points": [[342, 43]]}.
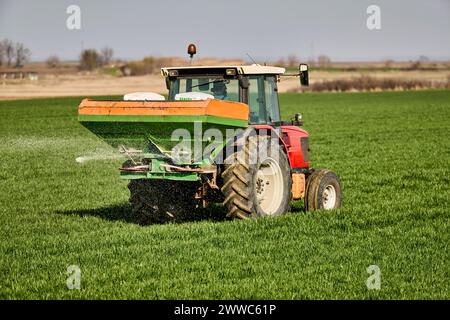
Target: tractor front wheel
{"points": [[323, 191]]}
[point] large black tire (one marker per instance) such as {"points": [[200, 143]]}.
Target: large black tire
{"points": [[323, 191], [161, 201], [246, 189]]}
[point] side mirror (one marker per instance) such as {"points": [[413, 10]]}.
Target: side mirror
{"points": [[296, 120], [303, 73]]}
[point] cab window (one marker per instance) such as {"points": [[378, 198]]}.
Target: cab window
{"points": [[222, 89], [256, 100], [271, 99], [263, 100]]}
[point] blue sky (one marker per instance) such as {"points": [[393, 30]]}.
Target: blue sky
{"points": [[230, 29]]}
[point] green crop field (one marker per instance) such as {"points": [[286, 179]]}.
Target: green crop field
{"points": [[391, 151]]}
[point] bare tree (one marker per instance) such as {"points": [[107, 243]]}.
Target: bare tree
{"points": [[323, 60], [292, 60], [2, 53], [8, 49], [89, 59], [281, 62], [22, 54], [53, 62], [107, 55]]}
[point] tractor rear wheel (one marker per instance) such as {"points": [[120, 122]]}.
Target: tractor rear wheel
{"points": [[160, 201], [257, 180], [323, 191]]}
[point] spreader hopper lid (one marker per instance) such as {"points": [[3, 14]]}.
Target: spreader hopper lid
{"points": [[164, 111]]}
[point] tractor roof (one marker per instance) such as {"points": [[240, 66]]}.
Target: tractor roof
{"points": [[252, 69]]}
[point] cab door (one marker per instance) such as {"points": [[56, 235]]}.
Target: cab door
{"points": [[263, 99], [271, 100]]}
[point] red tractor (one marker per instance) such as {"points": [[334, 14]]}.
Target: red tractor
{"points": [[218, 138]]}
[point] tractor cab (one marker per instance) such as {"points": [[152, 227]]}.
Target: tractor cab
{"points": [[253, 85]]}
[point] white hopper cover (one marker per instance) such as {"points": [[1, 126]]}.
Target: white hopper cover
{"points": [[193, 96], [144, 96]]}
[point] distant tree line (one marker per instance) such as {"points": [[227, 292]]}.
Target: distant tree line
{"points": [[13, 54], [91, 59], [292, 60]]}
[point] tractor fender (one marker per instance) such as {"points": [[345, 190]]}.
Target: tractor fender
{"points": [[273, 132]]}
